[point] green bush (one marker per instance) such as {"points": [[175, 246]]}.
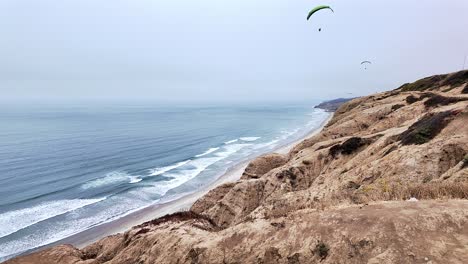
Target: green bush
{"points": [[426, 128], [322, 249]]}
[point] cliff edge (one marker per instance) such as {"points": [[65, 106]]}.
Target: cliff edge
{"points": [[386, 181]]}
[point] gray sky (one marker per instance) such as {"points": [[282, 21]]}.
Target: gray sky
{"points": [[223, 50]]}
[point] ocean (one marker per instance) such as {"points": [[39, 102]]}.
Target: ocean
{"points": [[65, 169]]}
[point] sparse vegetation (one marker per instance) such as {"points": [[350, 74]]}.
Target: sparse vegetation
{"points": [[465, 161], [422, 191], [396, 107], [142, 231], [423, 84], [465, 90], [321, 250], [426, 128], [439, 100], [390, 150], [179, 217], [348, 147], [411, 99], [456, 79], [353, 185], [437, 81], [387, 95]]}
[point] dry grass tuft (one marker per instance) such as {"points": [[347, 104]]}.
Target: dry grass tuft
{"points": [[384, 191]]}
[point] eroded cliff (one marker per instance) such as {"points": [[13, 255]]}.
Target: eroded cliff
{"points": [[338, 197]]}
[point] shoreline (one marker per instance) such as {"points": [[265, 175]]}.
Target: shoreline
{"points": [[151, 212]]}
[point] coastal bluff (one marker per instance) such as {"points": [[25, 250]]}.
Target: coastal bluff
{"points": [[385, 181]]}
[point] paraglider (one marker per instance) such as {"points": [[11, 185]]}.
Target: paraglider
{"points": [[365, 63], [316, 9]]}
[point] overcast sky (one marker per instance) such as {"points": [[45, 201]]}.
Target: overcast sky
{"points": [[223, 50]]}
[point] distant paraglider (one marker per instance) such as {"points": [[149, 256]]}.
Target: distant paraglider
{"points": [[365, 64], [316, 9]]}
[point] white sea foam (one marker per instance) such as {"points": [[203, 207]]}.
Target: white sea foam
{"points": [[161, 170], [110, 178], [194, 168], [249, 138], [269, 145], [13, 221], [231, 141], [231, 149], [134, 179], [75, 223], [211, 150]]}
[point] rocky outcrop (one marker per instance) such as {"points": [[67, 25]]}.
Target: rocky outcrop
{"points": [[386, 232], [333, 105], [261, 165], [338, 197]]}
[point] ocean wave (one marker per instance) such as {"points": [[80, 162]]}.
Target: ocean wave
{"points": [[111, 178], [11, 222], [161, 170], [211, 150], [271, 144], [194, 168], [231, 141], [249, 138], [287, 133], [75, 223], [231, 149]]}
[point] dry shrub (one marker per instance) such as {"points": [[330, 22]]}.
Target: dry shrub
{"points": [[426, 128], [423, 84], [180, 217], [321, 249], [397, 106], [142, 231], [439, 100], [411, 99], [465, 89], [453, 80], [387, 95], [456, 79], [349, 146]]}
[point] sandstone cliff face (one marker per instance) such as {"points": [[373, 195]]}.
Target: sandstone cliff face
{"points": [[338, 197]]}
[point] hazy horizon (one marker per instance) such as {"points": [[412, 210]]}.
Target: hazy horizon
{"points": [[229, 51]]}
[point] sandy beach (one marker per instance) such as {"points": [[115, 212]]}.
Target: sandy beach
{"points": [[122, 224]]}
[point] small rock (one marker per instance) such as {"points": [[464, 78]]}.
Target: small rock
{"points": [[412, 199]]}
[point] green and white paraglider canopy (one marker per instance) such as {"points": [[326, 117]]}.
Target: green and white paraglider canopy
{"points": [[316, 9]]}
